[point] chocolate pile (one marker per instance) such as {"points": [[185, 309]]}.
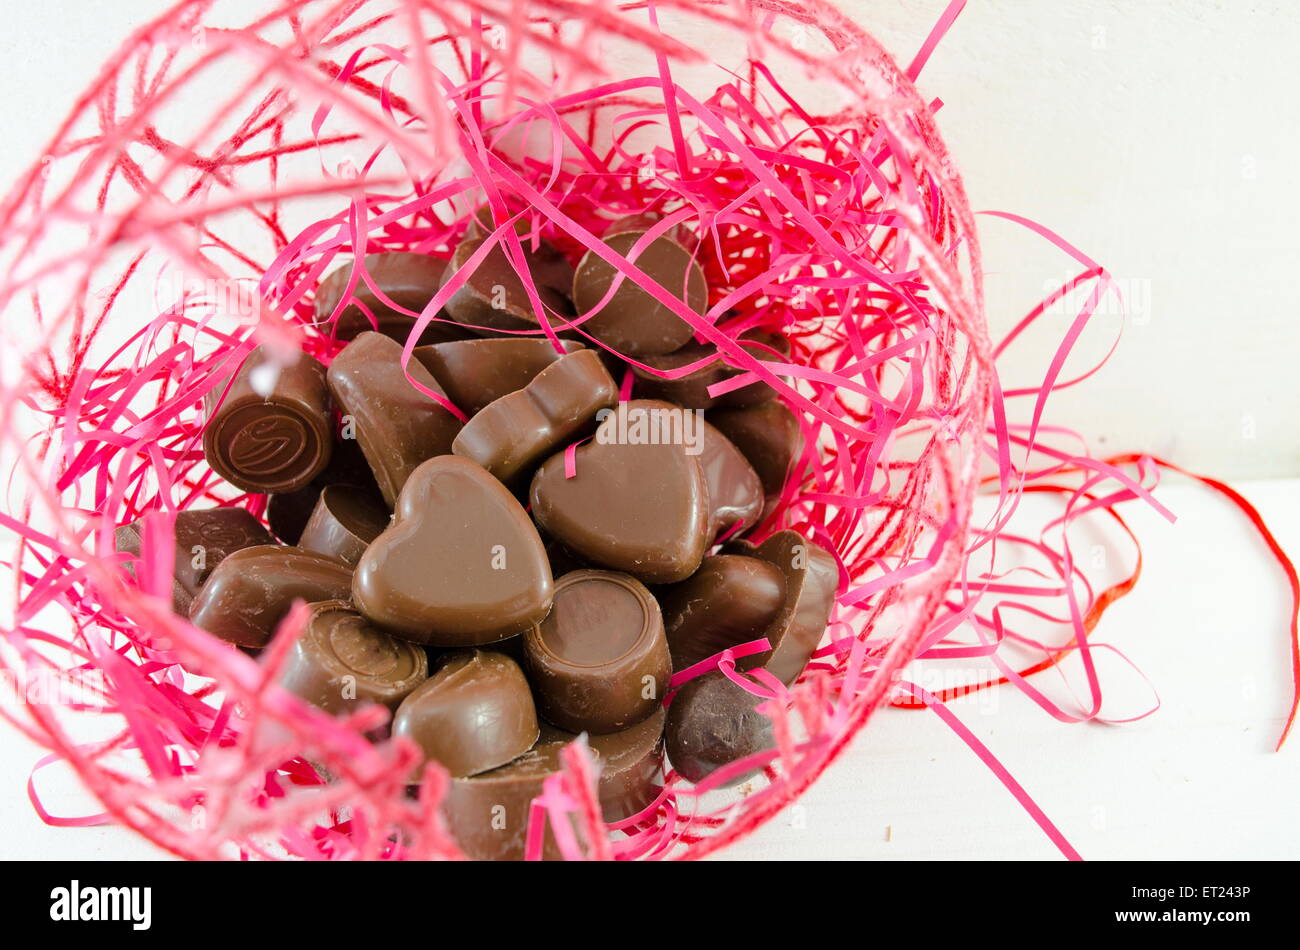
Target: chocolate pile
{"points": [[497, 596]]}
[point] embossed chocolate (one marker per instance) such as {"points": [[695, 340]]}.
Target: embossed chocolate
{"points": [[473, 714], [769, 436], [343, 523], [512, 435], [460, 565], [397, 426], [488, 814], [204, 538], [276, 442], [631, 320], [251, 591], [599, 661], [692, 390], [811, 580], [637, 507], [493, 297], [730, 600], [342, 662], [477, 372], [407, 279], [712, 722]]}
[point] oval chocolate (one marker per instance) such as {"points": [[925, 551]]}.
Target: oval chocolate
{"points": [[712, 722], [599, 661]]}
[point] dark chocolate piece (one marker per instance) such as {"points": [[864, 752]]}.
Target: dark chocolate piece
{"points": [[343, 523], [488, 814], [712, 722], [512, 435], [407, 279], [730, 600], [632, 322], [811, 580], [599, 661], [692, 390], [493, 297], [461, 563], [473, 714], [633, 506], [397, 426], [251, 591], [769, 436], [270, 430], [341, 662], [204, 538], [477, 372]]}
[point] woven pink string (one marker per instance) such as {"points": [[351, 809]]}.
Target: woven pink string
{"points": [[188, 208]]}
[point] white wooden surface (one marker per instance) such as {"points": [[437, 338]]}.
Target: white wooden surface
{"points": [[1160, 138]]}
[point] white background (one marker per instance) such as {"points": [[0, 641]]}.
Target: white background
{"points": [[1162, 139]]}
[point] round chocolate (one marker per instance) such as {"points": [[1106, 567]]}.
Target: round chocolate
{"points": [[251, 591], [277, 442], [473, 714], [341, 662], [343, 523], [712, 722], [599, 661], [493, 296], [631, 321], [407, 279], [730, 600]]}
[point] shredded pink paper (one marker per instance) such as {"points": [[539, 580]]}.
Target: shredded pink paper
{"points": [[195, 196]]}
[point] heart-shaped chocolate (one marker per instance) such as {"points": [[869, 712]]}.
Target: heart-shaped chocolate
{"points": [[460, 564], [637, 506]]}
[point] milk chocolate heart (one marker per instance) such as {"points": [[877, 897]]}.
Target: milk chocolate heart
{"points": [[641, 507], [460, 564]]}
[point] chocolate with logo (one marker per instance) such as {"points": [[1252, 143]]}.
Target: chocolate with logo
{"points": [[712, 722], [477, 372], [692, 390], [204, 538], [513, 434], [493, 297], [473, 714], [407, 279], [270, 429], [343, 523], [251, 591], [396, 424], [811, 581], [599, 662], [730, 600], [461, 563], [630, 320], [637, 507], [342, 662]]}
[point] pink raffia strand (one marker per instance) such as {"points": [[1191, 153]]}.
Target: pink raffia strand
{"points": [[191, 202]]}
